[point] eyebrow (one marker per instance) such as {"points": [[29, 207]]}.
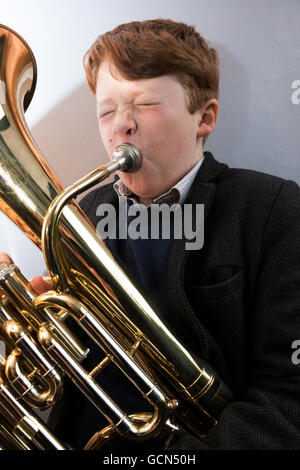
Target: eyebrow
{"points": [[110, 101], [106, 101]]}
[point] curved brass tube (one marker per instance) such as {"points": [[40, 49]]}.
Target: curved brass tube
{"points": [[25, 426], [90, 324], [127, 158], [41, 383], [39, 392], [101, 438]]}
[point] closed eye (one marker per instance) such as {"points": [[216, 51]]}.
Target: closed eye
{"points": [[102, 115], [146, 104]]}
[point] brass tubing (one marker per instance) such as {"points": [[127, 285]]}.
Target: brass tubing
{"points": [[100, 438], [25, 425], [128, 159], [49, 382], [102, 337], [17, 290], [96, 395], [10, 442], [192, 378]]}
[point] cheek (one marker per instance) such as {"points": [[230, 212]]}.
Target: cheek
{"points": [[170, 128], [155, 129], [103, 131], [105, 135], [171, 136]]}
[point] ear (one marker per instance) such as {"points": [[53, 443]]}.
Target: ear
{"points": [[208, 116]]}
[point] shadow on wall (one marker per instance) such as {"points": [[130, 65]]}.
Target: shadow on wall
{"points": [[258, 125], [68, 136], [228, 142]]}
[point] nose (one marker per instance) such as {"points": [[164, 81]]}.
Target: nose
{"points": [[125, 123]]}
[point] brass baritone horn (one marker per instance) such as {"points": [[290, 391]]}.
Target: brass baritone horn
{"points": [[90, 287]]}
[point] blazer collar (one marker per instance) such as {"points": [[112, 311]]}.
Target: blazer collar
{"points": [[209, 172], [203, 188], [201, 192]]}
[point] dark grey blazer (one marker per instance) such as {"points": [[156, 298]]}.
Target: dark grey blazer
{"points": [[237, 300]]}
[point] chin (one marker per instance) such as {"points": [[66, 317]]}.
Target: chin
{"points": [[141, 192], [135, 184]]}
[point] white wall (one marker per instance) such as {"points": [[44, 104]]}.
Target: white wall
{"points": [[259, 46]]}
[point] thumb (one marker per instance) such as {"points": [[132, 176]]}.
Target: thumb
{"points": [[4, 258], [40, 285]]}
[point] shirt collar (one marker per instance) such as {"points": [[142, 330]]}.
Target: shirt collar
{"points": [[177, 194]]}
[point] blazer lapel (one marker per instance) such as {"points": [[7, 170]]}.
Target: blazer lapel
{"points": [[201, 192]]}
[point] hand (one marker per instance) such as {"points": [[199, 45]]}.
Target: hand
{"points": [[37, 283], [40, 285], [4, 258]]}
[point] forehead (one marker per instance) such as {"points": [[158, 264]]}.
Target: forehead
{"points": [[110, 81]]}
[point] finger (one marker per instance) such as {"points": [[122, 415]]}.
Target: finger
{"points": [[4, 258], [40, 285]]}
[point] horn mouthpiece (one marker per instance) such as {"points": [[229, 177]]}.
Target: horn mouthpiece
{"points": [[128, 156]]}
